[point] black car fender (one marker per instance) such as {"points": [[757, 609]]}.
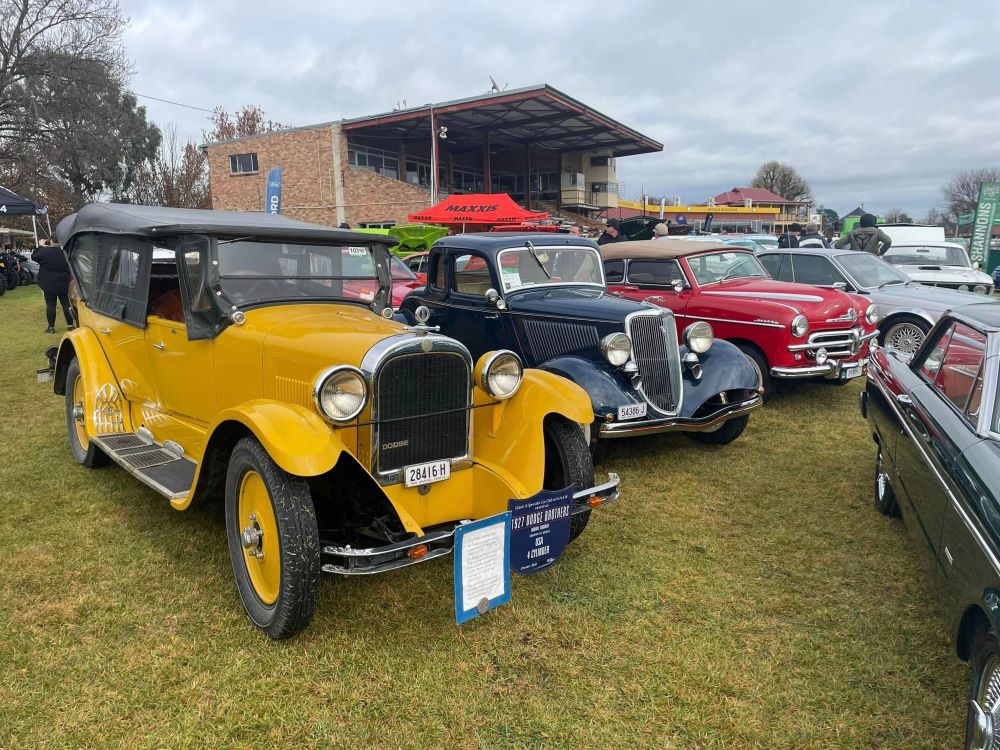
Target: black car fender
{"points": [[723, 368], [607, 386]]}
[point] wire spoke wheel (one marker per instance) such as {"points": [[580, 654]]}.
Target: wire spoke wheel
{"points": [[904, 338]]}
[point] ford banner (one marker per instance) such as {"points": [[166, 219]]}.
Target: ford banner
{"points": [[274, 191]]}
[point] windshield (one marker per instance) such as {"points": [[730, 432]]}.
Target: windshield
{"points": [[935, 255], [869, 272], [400, 271], [715, 267], [252, 271], [521, 267]]}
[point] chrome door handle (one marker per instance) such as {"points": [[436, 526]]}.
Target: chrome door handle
{"points": [[105, 331], [159, 346], [494, 316], [903, 398]]}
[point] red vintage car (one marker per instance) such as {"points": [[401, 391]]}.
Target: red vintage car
{"points": [[787, 330], [360, 265]]}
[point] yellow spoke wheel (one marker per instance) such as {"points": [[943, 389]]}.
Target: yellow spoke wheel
{"points": [[79, 421], [259, 537]]}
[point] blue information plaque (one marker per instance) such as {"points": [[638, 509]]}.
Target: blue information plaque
{"points": [[482, 566], [539, 530]]}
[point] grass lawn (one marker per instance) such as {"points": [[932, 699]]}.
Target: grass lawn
{"points": [[740, 597]]}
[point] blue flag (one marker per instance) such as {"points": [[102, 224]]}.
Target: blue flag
{"points": [[274, 191]]}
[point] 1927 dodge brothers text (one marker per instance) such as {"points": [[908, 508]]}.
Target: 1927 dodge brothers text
{"points": [[225, 354], [544, 296]]}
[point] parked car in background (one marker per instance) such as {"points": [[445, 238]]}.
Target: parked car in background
{"points": [[738, 241], [788, 331], [219, 354], [923, 254], [908, 309], [765, 240], [544, 297], [936, 428], [417, 262], [364, 286]]}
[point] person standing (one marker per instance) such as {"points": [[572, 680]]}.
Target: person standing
{"points": [[660, 231], [576, 230], [53, 278], [866, 237], [788, 239], [611, 233], [810, 237]]}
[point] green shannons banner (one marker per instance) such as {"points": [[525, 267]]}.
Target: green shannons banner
{"points": [[982, 225]]}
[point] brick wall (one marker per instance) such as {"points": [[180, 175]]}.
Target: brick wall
{"points": [[308, 189]]}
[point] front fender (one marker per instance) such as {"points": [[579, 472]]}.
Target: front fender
{"points": [[724, 368], [606, 388], [298, 439], [509, 437]]}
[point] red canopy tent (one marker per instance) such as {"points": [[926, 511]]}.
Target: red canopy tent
{"points": [[477, 208]]}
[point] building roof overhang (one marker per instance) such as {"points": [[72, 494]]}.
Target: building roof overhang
{"points": [[540, 115]]}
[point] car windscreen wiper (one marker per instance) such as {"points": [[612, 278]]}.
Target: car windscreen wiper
{"points": [[531, 249]]}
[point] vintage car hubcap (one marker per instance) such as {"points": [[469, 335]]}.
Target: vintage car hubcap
{"points": [[904, 338], [983, 710], [79, 423], [259, 537]]}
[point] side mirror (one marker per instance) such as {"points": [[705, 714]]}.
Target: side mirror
{"points": [[492, 297], [678, 285], [841, 285]]}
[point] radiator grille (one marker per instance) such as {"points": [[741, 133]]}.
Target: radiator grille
{"points": [[421, 409], [842, 343], [654, 350], [549, 338]]}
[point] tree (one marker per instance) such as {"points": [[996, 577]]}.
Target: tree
{"points": [[782, 179], [36, 38], [247, 121], [96, 134], [831, 219], [962, 191], [897, 216], [177, 176]]}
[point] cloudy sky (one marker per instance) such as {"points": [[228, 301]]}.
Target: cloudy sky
{"points": [[874, 103]]}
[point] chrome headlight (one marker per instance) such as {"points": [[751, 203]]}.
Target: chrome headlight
{"points": [[616, 348], [980, 289], [340, 393], [699, 337], [872, 315], [800, 325], [499, 373], [963, 287]]}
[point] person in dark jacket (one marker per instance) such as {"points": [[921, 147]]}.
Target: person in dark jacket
{"points": [[810, 237], [866, 237], [53, 278], [790, 237], [611, 233]]}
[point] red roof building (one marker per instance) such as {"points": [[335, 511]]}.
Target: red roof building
{"points": [[789, 212]]}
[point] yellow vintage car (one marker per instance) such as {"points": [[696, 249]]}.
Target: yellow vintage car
{"points": [[255, 358]]}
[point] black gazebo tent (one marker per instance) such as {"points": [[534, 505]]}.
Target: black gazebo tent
{"points": [[12, 204]]}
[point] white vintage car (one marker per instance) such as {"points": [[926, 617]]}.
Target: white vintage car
{"points": [[923, 254]]}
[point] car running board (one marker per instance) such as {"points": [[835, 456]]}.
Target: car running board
{"points": [[164, 469]]}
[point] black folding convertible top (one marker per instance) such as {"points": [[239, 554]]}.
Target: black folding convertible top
{"points": [[157, 221]]}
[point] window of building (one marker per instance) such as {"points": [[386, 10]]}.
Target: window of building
{"points": [[604, 187], [380, 161], [600, 161], [377, 224], [418, 171], [242, 163]]}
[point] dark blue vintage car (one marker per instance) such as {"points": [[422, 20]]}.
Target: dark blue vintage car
{"points": [[544, 297], [936, 423]]}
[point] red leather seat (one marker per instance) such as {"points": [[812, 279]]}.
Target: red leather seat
{"points": [[168, 306]]}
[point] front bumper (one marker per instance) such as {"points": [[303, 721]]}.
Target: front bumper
{"points": [[831, 369], [348, 561], [680, 424]]}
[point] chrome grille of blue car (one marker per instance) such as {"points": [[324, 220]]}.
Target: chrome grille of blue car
{"points": [[654, 351]]}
